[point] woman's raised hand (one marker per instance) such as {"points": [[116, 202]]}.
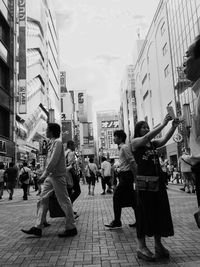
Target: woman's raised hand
{"points": [[175, 122], [167, 119]]}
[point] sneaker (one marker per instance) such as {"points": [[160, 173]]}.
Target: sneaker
{"points": [[33, 231], [103, 193], [46, 224], [132, 224], [109, 191], [114, 225], [182, 189], [68, 233]]}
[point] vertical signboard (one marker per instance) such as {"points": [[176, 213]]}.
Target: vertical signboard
{"points": [[66, 131], [22, 91], [63, 88], [82, 107]]}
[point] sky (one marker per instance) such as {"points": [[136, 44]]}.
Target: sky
{"points": [[97, 39]]}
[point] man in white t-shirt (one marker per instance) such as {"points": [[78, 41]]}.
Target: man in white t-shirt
{"points": [[106, 176], [192, 72]]}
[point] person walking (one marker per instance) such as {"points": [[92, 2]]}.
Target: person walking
{"points": [[2, 171], [124, 193], [54, 178], [186, 173], [11, 174], [153, 216], [106, 176], [24, 178], [91, 171], [75, 191], [192, 72]]}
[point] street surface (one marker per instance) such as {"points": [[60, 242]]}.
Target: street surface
{"points": [[94, 246]]}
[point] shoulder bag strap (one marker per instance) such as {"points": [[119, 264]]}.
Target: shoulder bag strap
{"points": [[186, 162]]}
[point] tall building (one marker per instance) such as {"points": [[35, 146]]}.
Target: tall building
{"points": [[184, 26], [67, 110], [128, 113], [7, 80], [107, 123], [158, 70], [39, 77], [84, 125]]}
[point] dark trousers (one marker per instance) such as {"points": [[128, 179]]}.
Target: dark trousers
{"points": [[75, 191], [106, 180], [196, 172], [124, 195], [25, 190], [35, 183]]}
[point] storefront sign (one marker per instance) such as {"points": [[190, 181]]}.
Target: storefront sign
{"points": [[110, 124]]}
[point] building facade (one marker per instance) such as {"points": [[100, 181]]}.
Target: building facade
{"points": [[7, 80], [39, 77], [107, 123], [128, 110], [159, 72]]}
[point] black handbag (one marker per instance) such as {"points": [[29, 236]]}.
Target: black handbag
{"points": [[147, 183], [54, 207]]}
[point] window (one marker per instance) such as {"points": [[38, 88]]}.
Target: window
{"points": [[144, 79], [164, 49], [4, 122], [4, 32], [166, 71], [4, 76], [162, 29], [61, 104]]}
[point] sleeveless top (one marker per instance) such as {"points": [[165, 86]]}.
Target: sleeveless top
{"points": [[147, 161]]}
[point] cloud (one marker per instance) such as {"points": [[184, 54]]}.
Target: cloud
{"points": [[138, 16], [106, 59], [65, 19]]}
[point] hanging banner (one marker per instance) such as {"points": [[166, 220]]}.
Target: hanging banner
{"points": [[22, 91]]}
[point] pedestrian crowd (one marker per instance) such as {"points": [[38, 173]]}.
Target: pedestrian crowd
{"points": [[138, 179]]}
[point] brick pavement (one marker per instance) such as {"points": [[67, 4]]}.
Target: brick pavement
{"points": [[94, 246]]}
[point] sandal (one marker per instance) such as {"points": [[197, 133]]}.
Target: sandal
{"points": [[145, 254], [161, 252]]}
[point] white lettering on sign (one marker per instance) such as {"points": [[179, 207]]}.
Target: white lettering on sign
{"points": [[110, 124], [22, 10], [22, 97]]}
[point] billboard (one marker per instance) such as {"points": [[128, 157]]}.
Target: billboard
{"points": [[63, 88], [82, 112], [66, 131], [22, 91]]}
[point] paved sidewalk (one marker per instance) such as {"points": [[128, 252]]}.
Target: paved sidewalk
{"points": [[94, 246]]}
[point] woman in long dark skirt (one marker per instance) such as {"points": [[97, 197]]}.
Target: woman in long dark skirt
{"points": [[153, 216]]}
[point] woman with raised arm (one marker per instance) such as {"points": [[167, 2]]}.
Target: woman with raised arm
{"points": [[153, 216]]}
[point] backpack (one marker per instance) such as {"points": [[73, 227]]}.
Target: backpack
{"points": [[24, 176], [91, 172]]}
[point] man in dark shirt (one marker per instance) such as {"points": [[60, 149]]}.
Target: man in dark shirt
{"points": [[11, 178]]}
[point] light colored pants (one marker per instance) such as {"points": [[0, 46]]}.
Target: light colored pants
{"points": [[57, 184]]}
